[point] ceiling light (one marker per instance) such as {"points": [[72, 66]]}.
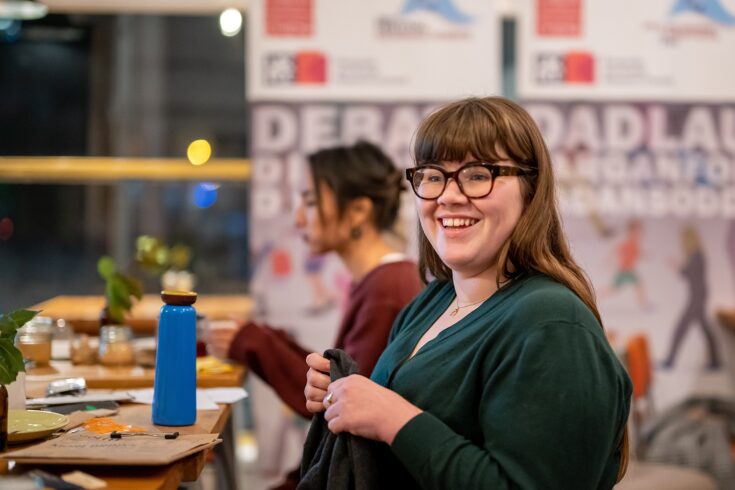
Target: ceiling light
{"points": [[22, 9], [230, 22]]}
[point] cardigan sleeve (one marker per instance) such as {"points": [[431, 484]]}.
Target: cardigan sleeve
{"points": [[276, 358], [550, 419]]}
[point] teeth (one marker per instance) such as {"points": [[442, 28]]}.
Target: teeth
{"points": [[457, 222]]}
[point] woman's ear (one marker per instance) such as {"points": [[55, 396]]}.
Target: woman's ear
{"points": [[359, 212]]}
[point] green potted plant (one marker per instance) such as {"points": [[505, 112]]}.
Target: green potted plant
{"points": [[119, 291], [11, 362], [168, 262]]}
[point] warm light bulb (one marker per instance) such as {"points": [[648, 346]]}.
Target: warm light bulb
{"points": [[230, 22], [199, 152]]}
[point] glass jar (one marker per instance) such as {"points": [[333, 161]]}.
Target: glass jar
{"points": [[115, 347], [82, 351], [34, 340]]}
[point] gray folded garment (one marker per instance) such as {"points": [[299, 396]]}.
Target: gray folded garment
{"points": [[344, 461]]}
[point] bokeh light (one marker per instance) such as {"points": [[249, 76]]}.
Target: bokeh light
{"points": [[10, 30], [205, 195], [199, 152], [230, 22]]}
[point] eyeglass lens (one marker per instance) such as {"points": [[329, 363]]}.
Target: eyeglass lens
{"points": [[474, 181]]}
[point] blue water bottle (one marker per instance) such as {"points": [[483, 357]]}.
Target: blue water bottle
{"points": [[174, 388]]}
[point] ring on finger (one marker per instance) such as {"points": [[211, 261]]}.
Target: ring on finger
{"points": [[329, 399]]}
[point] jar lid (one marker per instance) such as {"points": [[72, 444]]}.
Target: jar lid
{"points": [[39, 324], [115, 333], [178, 298]]}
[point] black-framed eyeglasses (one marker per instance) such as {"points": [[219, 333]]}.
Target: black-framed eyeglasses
{"points": [[474, 179]]}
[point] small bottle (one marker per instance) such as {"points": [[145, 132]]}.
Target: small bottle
{"points": [[174, 388]]}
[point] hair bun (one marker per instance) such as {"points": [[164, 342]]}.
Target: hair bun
{"points": [[397, 179]]}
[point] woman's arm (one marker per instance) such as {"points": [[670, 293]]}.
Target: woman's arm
{"points": [[276, 358], [551, 418]]}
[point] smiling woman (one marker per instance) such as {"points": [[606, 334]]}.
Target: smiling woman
{"points": [[501, 365]]}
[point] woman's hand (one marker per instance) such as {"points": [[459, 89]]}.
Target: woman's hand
{"points": [[317, 380], [362, 407], [219, 336]]}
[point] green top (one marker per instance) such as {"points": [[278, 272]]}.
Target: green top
{"points": [[524, 392]]}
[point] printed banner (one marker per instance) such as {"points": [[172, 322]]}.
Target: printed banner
{"points": [[668, 50], [391, 50], [647, 191]]}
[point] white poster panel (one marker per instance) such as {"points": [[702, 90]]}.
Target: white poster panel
{"points": [[669, 50], [387, 50], [647, 192]]}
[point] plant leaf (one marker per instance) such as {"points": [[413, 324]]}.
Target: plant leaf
{"points": [[11, 361], [20, 317], [116, 314], [12, 321], [180, 256], [7, 326], [106, 267], [135, 287], [119, 292]]}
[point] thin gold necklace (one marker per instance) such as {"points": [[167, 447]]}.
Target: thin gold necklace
{"points": [[457, 308]]}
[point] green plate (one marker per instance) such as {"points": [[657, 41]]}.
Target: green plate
{"points": [[27, 425]]}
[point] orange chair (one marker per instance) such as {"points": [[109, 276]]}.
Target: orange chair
{"points": [[640, 371], [643, 475]]}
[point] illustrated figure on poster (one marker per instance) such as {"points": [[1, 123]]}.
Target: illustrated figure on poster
{"points": [[628, 254], [694, 272], [322, 298], [576, 157]]}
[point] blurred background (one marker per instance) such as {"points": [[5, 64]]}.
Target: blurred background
{"points": [[170, 136]]}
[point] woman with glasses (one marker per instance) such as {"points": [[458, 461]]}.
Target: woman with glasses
{"points": [[499, 374], [350, 201]]}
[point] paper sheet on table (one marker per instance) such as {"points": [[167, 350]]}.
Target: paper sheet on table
{"points": [[81, 416], [83, 448], [89, 397], [225, 395], [207, 398]]}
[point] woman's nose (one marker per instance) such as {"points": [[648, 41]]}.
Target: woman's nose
{"points": [[299, 220], [452, 194]]}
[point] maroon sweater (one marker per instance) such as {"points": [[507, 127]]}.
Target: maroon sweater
{"points": [[373, 305]]}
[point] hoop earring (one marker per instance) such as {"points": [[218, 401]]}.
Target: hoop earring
{"points": [[356, 233]]}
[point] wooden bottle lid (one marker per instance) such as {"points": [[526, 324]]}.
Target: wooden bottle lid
{"points": [[178, 298]]}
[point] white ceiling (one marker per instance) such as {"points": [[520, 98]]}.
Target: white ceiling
{"points": [[181, 7]]}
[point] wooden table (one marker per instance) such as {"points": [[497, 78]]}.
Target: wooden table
{"points": [[150, 477], [118, 378], [83, 312]]}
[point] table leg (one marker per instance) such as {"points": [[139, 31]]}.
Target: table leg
{"points": [[226, 465]]}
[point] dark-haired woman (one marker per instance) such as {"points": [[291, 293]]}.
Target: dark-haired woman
{"points": [[499, 374], [350, 199]]}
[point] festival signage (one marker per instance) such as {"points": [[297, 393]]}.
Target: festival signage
{"points": [[667, 50]]}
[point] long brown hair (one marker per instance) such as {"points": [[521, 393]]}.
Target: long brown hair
{"points": [[494, 129]]}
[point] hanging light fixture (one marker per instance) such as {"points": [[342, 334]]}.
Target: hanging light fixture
{"points": [[22, 9]]}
